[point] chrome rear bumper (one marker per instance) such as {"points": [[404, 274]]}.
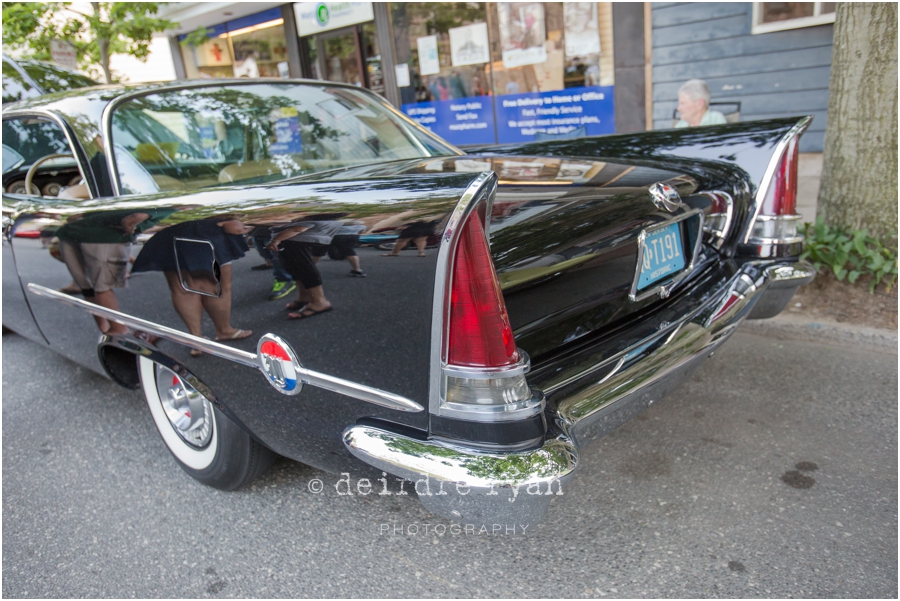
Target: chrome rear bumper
{"points": [[592, 396]]}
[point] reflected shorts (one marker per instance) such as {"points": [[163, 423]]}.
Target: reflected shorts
{"points": [[97, 267]]}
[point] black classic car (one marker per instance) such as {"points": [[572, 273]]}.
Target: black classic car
{"points": [[536, 296]]}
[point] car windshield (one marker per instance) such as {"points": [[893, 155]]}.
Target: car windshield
{"points": [[255, 133], [55, 79]]}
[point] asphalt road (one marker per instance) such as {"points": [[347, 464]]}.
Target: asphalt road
{"points": [[772, 473]]}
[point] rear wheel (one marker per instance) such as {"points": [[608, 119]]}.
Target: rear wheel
{"points": [[210, 447]]}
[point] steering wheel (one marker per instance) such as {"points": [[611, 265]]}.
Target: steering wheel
{"points": [[33, 169]]}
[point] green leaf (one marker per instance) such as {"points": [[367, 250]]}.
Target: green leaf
{"points": [[839, 273], [876, 262], [853, 276]]}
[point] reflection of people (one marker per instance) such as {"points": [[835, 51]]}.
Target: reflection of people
{"points": [[96, 249], [228, 245], [693, 105], [343, 246], [418, 232], [248, 68], [477, 88], [284, 283], [457, 87], [439, 89], [295, 243]]}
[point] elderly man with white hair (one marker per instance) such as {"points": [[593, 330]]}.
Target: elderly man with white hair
{"points": [[693, 105]]}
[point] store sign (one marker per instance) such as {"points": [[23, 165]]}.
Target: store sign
{"points": [[316, 17], [459, 121], [64, 54], [584, 111]]}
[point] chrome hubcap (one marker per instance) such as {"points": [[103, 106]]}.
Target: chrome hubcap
{"points": [[189, 412]]}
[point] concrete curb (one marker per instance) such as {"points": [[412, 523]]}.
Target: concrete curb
{"points": [[799, 328]]}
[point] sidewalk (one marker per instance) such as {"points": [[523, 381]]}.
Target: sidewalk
{"points": [[796, 327]]}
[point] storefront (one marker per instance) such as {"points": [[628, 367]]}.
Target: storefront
{"points": [[485, 73], [252, 46], [474, 73]]}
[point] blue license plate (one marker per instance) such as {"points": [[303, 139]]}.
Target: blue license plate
{"points": [[663, 255]]}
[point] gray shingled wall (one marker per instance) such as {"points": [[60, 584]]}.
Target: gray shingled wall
{"points": [[777, 74]]}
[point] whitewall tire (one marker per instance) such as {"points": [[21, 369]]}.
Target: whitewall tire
{"points": [[208, 445]]}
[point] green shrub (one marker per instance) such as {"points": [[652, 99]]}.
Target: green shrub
{"points": [[849, 254]]}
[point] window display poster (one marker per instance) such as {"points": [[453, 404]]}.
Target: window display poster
{"points": [[286, 124], [459, 121], [429, 63], [213, 53], [578, 112], [469, 45], [582, 28], [402, 73], [522, 33]]}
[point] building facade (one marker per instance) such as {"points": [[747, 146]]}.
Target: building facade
{"points": [[475, 73], [489, 73], [763, 59]]}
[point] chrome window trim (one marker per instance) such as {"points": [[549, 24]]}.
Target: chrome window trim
{"points": [[769, 174], [106, 116], [307, 377], [665, 287], [77, 151]]}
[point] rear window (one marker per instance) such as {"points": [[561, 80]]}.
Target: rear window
{"points": [[255, 133]]}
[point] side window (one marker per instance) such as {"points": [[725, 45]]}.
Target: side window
{"points": [[25, 142]]}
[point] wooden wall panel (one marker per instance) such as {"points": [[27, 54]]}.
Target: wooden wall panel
{"points": [[777, 74]]}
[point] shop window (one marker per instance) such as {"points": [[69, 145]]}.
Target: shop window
{"points": [[251, 47], [777, 16], [545, 68]]}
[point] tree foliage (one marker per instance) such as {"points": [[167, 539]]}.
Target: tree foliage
{"points": [[111, 28]]}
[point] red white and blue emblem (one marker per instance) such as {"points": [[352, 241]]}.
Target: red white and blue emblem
{"points": [[278, 362]]}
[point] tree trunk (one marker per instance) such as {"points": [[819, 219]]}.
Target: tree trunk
{"points": [[859, 177], [104, 59], [103, 44]]}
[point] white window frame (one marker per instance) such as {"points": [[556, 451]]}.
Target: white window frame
{"points": [[817, 19]]}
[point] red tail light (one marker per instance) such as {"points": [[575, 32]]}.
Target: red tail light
{"points": [[781, 198], [479, 332]]}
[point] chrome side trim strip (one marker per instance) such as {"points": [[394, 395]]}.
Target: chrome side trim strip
{"points": [[769, 175], [202, 344], [312, 378]]}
